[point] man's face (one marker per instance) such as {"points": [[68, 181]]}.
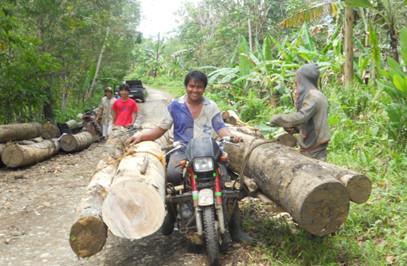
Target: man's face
{"points": [[195, 90], [108, 94], [124, 94]]}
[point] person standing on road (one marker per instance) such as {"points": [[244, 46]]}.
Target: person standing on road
{"points": [[191, 116], [105, 111], [311, 119], [125, 108]]}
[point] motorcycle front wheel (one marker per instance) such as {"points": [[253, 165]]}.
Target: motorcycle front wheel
{"points": [[211, 235]]}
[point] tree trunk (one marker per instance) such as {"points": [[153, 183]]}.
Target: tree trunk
{"points": [[89, 92], [77, 142], [20, 131], [16, 155], [134, 207], [48, 106], [314, 198], [50, 131], [348, 45], [89, 232], [394, 43]]}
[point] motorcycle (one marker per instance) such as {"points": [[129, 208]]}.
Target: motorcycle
{"points": [[203, 204]]}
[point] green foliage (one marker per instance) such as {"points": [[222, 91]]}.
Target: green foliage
{"points": [[60, 51], [394, 85]]}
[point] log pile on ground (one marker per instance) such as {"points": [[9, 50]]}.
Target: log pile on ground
{"points": [[23, 144], [27, 152], [20, 131], [308, 189]]}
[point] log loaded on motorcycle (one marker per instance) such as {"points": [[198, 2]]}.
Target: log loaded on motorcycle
{"points": [[203, 205]]}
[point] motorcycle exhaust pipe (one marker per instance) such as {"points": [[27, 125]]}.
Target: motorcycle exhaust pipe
{"points": [[198, 219]]}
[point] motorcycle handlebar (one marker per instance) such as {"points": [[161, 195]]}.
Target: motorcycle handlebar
{"points": [[174, 145]]}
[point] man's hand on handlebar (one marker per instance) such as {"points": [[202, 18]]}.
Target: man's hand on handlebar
{"points": [[236, 139]]}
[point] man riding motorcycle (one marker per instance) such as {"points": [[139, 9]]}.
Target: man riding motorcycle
{"points": [[192, 116]]}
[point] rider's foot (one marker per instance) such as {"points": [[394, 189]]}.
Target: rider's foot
{"points": [[238, 235], [168, 225], [235, 229]]}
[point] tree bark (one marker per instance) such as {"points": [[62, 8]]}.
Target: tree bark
{"points": [[20, 131], [77, 142], [134, 207], [89, 232], [314, 198], [50, 131], [16, 155]]}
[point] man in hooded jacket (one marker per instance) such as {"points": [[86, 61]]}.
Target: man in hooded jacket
{"points": [[311, 118]]}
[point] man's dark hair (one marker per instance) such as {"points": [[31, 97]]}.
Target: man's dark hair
{"points": [[123, 87], [196, 76]]}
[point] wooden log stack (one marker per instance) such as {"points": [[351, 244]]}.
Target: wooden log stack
{"points": [[26, 153], [313, 196], [22, 131]]}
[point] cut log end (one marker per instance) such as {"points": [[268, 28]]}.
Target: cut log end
{"points": [[12, 156], [68, 143], [359, 188], [139, 207], [325, 209], [88, 236]]}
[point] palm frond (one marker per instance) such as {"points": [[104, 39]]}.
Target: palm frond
{"points": [[310, 14]]}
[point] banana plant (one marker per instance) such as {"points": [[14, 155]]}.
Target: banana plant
{"points": [[394, 85]]}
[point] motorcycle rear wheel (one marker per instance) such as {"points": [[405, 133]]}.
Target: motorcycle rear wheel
{"points": [[211, 235]]}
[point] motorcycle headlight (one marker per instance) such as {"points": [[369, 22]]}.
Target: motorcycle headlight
{"points": [[204, 164]]}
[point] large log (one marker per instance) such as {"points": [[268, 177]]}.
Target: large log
{"points": [[314, 198], [17, 155], [134, 207], [20, 131], [88, 233], [77, 142]]}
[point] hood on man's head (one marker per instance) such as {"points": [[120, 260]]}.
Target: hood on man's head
{"points": [[108, 89], [309, 72], [307, 78]]}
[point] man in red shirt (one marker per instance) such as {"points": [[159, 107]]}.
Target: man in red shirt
{"points": [[125, 108]]}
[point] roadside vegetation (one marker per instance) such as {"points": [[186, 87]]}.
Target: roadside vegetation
{"points": [[251, 64]]}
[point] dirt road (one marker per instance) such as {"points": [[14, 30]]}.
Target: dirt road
{"points": [[37, 205]]}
